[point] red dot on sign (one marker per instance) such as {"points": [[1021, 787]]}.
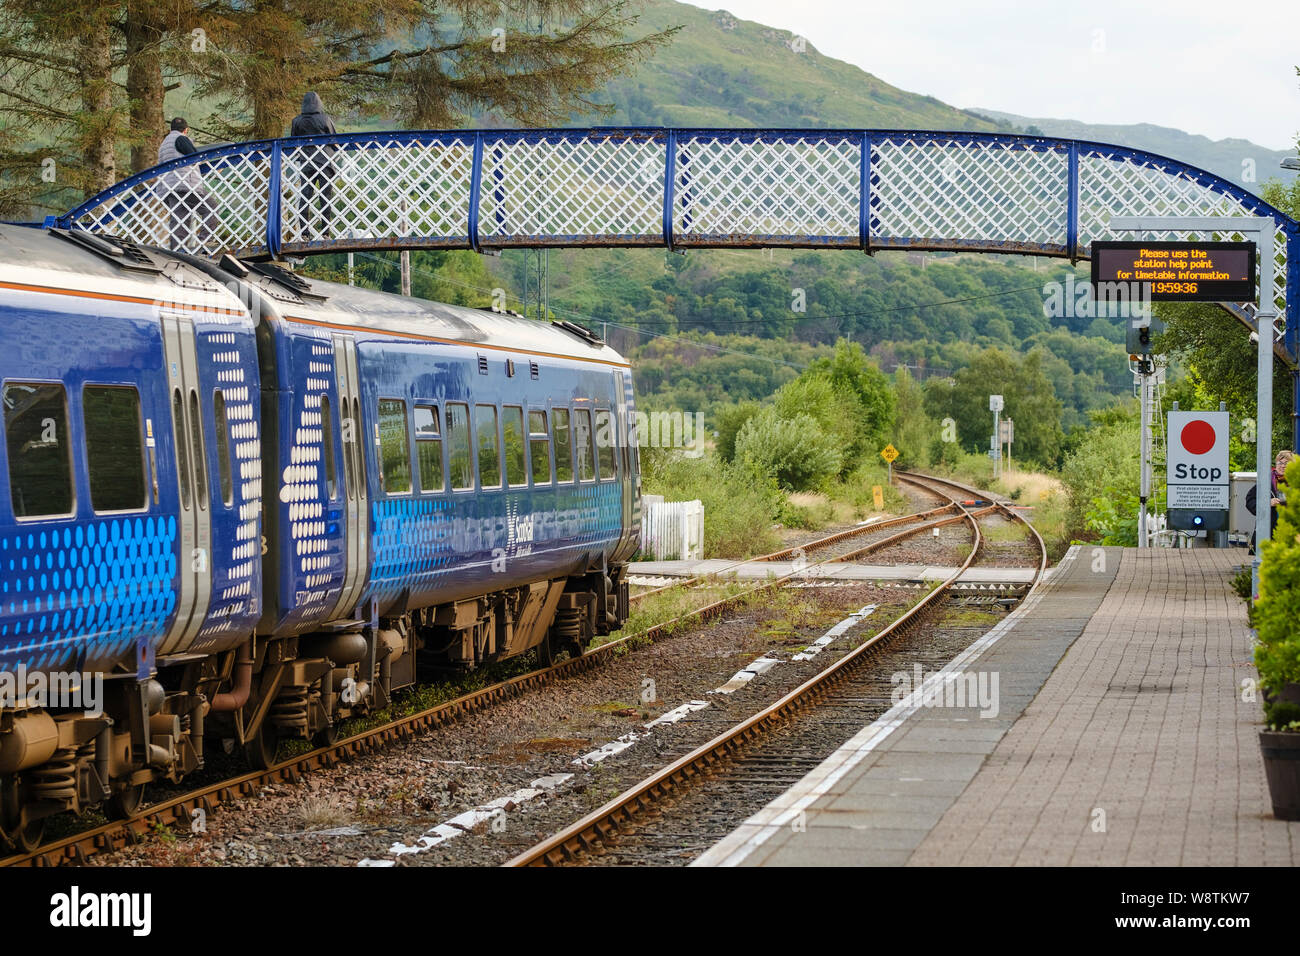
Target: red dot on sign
{"points": [[1197, 436]]}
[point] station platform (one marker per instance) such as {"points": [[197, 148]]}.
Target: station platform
{"points": [[1120, 737], [662, 572]]}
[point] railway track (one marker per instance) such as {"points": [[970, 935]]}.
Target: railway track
{"points": [[717, 784], [178, 812]]}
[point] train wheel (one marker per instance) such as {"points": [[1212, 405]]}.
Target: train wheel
{"points": [[326, 737], [126, 802], [261, 750], [575, 648], [28, 837]]}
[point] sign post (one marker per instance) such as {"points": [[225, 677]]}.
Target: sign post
{"points": [[1262, 230], [889, 453], [995, 446]]}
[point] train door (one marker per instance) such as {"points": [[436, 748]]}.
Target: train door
{"points": [[355, 502], [194, 560]]}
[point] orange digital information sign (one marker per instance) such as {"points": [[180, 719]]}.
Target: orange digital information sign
{"points": [[1179, 271]]}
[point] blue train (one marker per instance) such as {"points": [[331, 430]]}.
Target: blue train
{"points": [[239, 505]]}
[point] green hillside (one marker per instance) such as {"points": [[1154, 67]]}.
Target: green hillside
{"points": [[1224, 157], [724, 71]]}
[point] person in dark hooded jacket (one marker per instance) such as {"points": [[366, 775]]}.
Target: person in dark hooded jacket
{"points": [[317, 162]]}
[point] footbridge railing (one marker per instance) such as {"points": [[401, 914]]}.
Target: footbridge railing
{"points": [[673, 188]]}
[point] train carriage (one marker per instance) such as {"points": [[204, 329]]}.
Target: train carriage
{"points": [[443, 486]]}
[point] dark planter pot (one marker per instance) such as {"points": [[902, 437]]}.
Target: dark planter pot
{"points": [[1290, 692], [1281, 752]]}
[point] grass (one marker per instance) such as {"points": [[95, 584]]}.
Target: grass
{"points": [[1027, 487], [660, 609], [970, 617], [612, 707], [1003, 533], [318, 813], [1047, 500]]}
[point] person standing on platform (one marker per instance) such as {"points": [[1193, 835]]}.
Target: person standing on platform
{"points": [[317, 163], [1277, 484]]}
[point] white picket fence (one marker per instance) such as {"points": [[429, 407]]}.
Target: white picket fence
{"points": [[672, 530]]}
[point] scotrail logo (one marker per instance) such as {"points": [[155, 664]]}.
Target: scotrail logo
{"points": [[952, 689], [52, 690]]}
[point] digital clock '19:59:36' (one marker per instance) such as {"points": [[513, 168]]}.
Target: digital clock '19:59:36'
{"points": [[1188, 288]]}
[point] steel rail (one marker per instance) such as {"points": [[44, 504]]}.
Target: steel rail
{"points": [[594, 828], [921, 481], [816, 545], [180, 811]]}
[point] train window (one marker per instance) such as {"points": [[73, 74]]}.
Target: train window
{"points": [[223, 447], [394, 447], [182, 447], [196, 452], [327, 444], [633, 438], [539, 447], [563, 444], [512, 421], [114, 449], [349, 429], [489, 459], [428, 447], [606, 439], [358, 458], [624, 451], [40, 458], [462, 463], [582, 438]]}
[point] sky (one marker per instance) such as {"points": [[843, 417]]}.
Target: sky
{"points": [[1221, 69]]}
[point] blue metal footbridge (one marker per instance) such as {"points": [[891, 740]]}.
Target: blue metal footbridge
{"points": [[869, 190]]}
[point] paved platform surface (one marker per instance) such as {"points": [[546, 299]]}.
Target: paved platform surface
{"points": [[1120, 738], [831, 571]]}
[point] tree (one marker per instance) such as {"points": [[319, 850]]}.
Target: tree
{"points": [[1028, 396], [728, 421], [430, 65], [422, 63], [852, 373], [57, 60], [913, 429]]}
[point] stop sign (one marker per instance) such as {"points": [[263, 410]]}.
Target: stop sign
{"points": [[1197, 460]]}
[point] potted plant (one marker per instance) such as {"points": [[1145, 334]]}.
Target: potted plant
{"points": [[1276, 617]]}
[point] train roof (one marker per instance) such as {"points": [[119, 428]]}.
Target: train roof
{"points": [[54, 259], [384, 312]]}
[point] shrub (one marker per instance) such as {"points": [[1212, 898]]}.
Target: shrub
{"points": [[728, 421], [1113, 518], [1277, 613], [793, 451], [1106, 459], [805, 510], [740, 506]]}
